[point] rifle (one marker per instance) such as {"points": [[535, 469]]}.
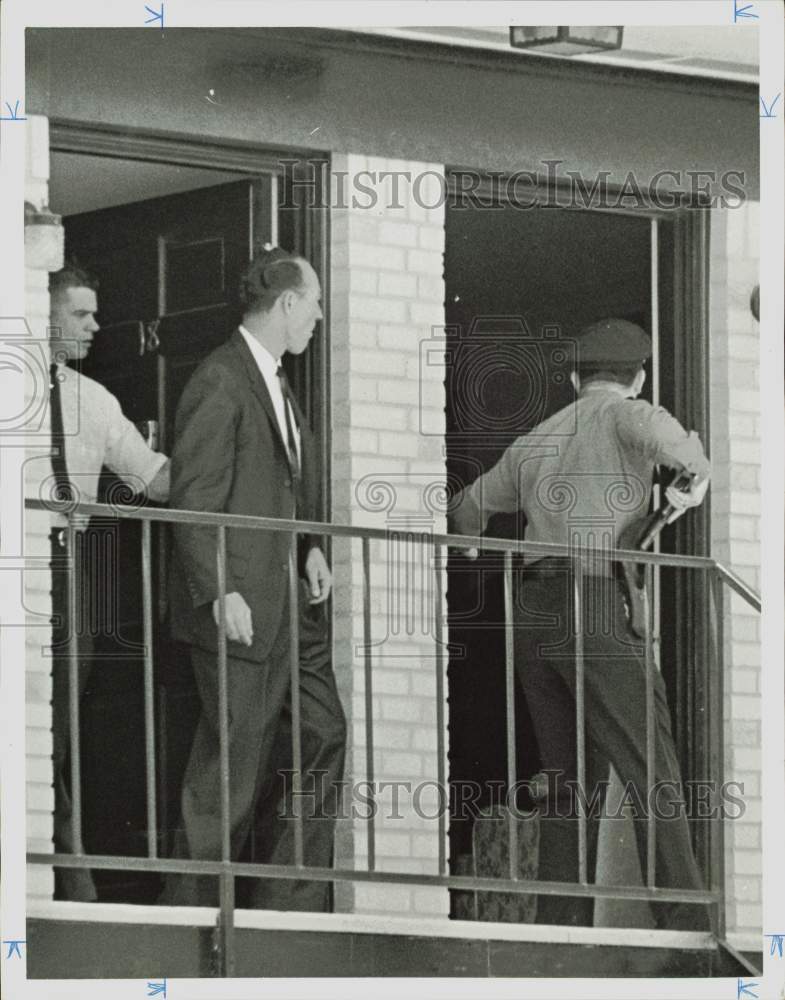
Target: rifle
{"points": [[641, 537]]}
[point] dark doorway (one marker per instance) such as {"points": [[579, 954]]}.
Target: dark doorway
{"points": [[519, 286], [168, 269]]}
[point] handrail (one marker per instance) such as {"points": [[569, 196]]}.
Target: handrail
{"points": [[175, 516], [188, 866], [752, 597]]}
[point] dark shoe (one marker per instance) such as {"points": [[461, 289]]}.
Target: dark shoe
{"points": [[190, 890], [681, 917]]}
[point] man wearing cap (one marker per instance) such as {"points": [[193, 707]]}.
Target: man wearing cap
{"points": [[583, 477]]}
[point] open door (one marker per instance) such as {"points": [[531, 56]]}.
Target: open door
{"points": [[519, 287], [169, 270]]}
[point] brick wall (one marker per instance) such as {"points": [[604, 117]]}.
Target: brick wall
{"points": [[735, 500], [388, 472], [37, 577]]}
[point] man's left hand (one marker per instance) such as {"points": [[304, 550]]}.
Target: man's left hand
{"points": [[158, 490], [319, 577]]}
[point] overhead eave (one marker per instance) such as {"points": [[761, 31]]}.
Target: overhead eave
{"points": [[413, 45], [661, 65]]}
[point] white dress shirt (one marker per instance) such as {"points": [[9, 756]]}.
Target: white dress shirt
{"points": [[96, 433], [268, 366]]}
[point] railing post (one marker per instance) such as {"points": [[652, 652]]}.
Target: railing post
{"points": [[368, 678], [294, 666], [73, 688], [580, 719], [439, 565], [226, 912], [512, 746], [149, 708], [651, 733], [716, 682]]}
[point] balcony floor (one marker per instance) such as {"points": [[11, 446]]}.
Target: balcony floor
{"points": [[70, 940]]}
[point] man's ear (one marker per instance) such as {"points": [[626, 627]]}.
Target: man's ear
{"points": [[576, 381], [639, 382], [284, 300]]}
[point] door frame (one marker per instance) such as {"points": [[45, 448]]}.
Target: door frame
{"points": [[311, 229], [67, 136], [688, 398]]}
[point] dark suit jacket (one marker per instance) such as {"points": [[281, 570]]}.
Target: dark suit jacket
{"points": [[229, 456]]}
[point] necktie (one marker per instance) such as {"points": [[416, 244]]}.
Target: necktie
{"points": [[63, 490], [291, 442]]}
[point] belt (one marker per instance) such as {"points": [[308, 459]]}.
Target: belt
{"points": [[552, 567], [548, 566]]}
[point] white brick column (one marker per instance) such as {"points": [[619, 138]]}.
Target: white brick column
{"points": [[37, 576], [387, 296], [735, 506]]}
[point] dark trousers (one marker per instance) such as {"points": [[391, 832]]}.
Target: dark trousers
{"points": [[70, 883], [615, 733], [260, 721]]}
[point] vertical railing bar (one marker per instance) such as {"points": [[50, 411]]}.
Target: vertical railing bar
{"points": [[369, 770], [716, 680], [73, 690], [410, 590], [580, 720], [226, 912], [651, 844], [439, 553], [394, 549], [427, 609], [294, 664], [163, 766], [149, 693], [509, 678]]}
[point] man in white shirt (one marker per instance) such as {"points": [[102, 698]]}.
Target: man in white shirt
{"points": [[89, 431], [242, 447]]}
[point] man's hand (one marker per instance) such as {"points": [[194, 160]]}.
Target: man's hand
{"points": [[682, 500], [319, 577], [239, 625], [158, 490]]}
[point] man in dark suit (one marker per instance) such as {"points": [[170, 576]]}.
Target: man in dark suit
{"points": [[242, 447]]}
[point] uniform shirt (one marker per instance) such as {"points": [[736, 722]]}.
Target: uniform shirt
{"points": [[268, 366], [96, 433], [584, 475]]}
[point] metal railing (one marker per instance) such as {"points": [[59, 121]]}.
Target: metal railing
{"points": [[229, 870]]}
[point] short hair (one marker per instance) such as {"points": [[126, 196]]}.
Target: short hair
{"points": [[72, 275], [269, 274], [609, 371]]}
